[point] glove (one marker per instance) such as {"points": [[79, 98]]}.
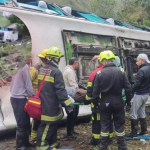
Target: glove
{"points": [[70, 108]]}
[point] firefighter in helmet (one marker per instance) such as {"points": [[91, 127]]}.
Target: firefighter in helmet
{"points": [[96, 128], [53, 96], [108, 85]]}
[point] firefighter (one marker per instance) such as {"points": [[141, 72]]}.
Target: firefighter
{"points": [[118, 64], [34, 78], [108, 85], [95, 110], [53, 95]]}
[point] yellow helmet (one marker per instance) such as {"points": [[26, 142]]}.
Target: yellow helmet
{"points": [[54, 52], [106, 55], [43, 53]]}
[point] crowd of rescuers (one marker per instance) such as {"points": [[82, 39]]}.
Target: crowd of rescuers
{"points": [[104, 92]]}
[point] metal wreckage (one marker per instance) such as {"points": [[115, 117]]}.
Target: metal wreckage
{"points": [[79, 34]]}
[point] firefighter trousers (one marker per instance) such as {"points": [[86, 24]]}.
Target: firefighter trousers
{"points": [[96, 126], [112, 105], [35, 126], [46, 136]]}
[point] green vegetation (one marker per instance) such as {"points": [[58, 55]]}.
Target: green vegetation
{"points": [[13, 58], [106, 8], [130, 11], [86, 39], [83, 5], [69, 53], [21, 27], [4, 21], [138, 12]]}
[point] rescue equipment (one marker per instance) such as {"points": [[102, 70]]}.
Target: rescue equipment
{"points": [[33, 105]]}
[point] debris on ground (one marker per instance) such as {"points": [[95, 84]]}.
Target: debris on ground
{"points": [[83, 140]]}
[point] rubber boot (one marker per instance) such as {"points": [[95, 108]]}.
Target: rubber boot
{"points": [[33, 137], [134, 129], [20, 141], [55, 145], [143, 127], [94, 141], [122, 145]]}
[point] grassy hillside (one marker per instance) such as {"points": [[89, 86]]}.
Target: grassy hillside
{"points": [[76, 4], [3, 21]]}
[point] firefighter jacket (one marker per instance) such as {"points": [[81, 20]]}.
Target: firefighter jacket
{"points": [[90, 83], [53, 94], [110, 81], [34, 78]]}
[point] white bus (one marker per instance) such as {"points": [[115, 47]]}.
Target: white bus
{"points": [[8, 34], [77, 34]]}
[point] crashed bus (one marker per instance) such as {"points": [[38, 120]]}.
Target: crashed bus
{"points": [[78, 34], [8, 34]]}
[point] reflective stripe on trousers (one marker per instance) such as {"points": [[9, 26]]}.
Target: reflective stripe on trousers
{"points": [[96, 136]]}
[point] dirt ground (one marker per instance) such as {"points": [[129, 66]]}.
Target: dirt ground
{"points": [[7, 142]]}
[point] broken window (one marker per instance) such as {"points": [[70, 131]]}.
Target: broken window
{"points": [[84, 46]]}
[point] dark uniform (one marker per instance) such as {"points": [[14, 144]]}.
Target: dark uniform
{"points": [[53, 95], [34, 79], [96, 128], [108, 86]]}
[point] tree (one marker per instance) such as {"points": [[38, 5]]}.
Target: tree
{"points": [[21, 27], [145, 4], [107, 8], [133, 12]]}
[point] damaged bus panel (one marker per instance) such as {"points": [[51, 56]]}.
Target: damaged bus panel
{"points": [[84, 46]]}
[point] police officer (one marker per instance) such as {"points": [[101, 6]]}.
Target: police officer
{"points": [[53, 95], [108, 86]]}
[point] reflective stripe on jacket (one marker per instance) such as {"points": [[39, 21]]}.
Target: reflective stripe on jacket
{"points": [[90, 85], [53, 94]]}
